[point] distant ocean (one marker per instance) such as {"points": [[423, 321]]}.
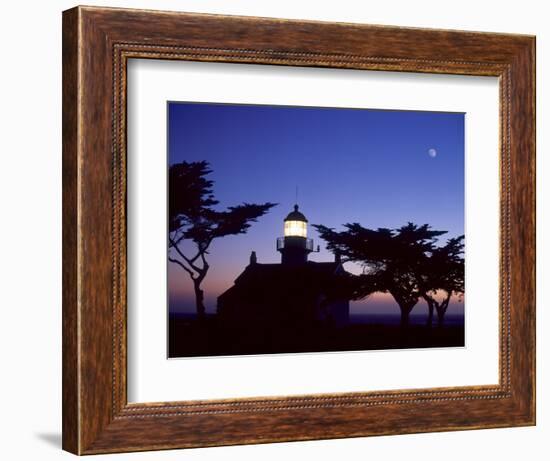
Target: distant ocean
{"points": [[394, 319], [365, 318]]}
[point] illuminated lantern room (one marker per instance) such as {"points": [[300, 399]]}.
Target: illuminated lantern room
{"points": [[295, 224], [294, 246]]}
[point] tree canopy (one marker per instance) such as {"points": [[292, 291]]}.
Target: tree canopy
{"points": [[405, 262], [192, 217]]}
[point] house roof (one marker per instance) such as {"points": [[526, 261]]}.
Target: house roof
{"points": [[270, 277], [277, 269]]}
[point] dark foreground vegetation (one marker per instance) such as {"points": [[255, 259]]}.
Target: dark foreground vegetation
{"points": [[188, 338]]}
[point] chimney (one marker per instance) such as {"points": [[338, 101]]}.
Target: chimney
{"points": [[337, 257], [253, 258]]}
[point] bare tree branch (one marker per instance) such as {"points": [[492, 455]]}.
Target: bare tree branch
{"points": [[179, 263], [185, 258]]}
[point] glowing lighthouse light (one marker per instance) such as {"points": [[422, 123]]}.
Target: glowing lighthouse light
{"points": [[296, 224], [295, 229]]}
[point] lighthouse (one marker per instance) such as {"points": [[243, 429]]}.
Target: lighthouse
{"points": [[269, 296], [294, 246]]}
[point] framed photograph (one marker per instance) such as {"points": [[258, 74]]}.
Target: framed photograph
{"points": [[281, 230]]}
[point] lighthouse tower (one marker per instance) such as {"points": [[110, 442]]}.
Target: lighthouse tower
{"points": [[294, 246]]}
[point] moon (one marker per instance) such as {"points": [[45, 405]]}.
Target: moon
{"points": [[432, 152]]}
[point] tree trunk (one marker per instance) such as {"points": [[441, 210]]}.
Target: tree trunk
{"points": [[442, 309], [405, 317], [406, 305], [440, 317], [430, 303], [199, 300]]}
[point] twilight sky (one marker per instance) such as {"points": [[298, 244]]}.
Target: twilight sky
{"points": [[378, 168]]}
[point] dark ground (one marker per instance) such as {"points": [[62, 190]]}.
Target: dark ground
{"points": [[189, 338]]}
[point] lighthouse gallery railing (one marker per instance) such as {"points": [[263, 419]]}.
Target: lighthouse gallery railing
{"points": [[286, 242]]}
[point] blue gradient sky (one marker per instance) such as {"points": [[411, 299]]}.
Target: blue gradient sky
{"points": [[350, 165]]}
